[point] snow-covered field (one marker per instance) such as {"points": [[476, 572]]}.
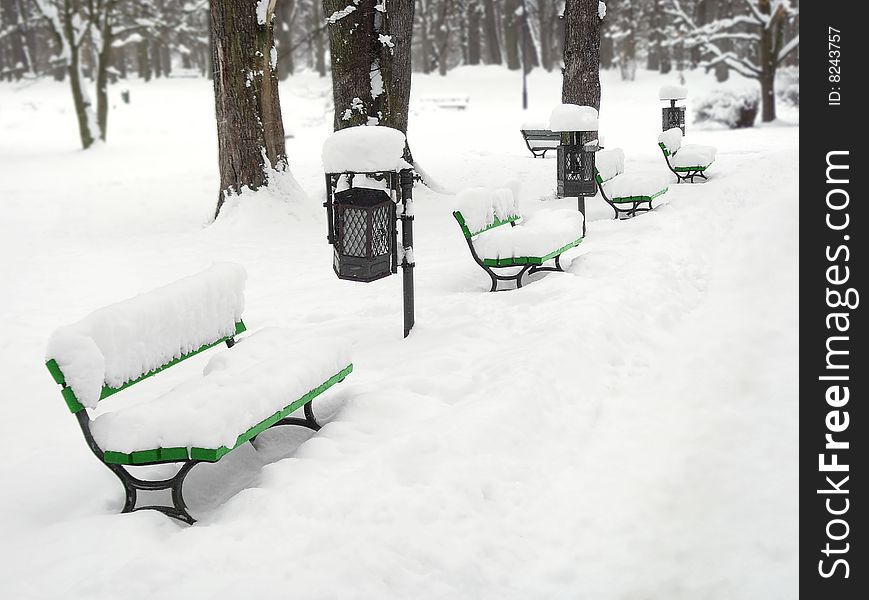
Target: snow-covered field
{"points": [[625, 430]]}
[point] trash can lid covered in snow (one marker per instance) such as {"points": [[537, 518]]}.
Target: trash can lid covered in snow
{"points": [[364, 149], [672, 92], [573, 117]]}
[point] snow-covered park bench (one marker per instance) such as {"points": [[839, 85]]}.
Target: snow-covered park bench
{"points": [[540, 139], [448, 101], [241, 392], [488, 219], [685, 161], [626, 193]]}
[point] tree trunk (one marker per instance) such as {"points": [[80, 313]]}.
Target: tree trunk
{"points": [[284, 33], [512, 33], [425, 41], [104, 60], [490, 28], [250, 131], [319, 45], [770, 42], [473, 21], [143, 60], [653, 55], [442, 36], [581, 82], [156, 62]]}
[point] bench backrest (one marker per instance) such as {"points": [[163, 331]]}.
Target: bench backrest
{"points": [[541, 134], [608, 164], [121, 344], [482, 209], [670, 141]]}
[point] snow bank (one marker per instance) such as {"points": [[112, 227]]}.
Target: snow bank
{"points": [[240, 387], [125, 340], [538, 235], [481, 206], [610, 163], [672, 139], [364, 149], [572, 117], [636, 184], [672, 92], [694, 155]]}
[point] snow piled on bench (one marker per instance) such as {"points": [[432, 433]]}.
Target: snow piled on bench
{"points": [[672, 92], [629, 185], [364, 149], [695, 155], [480, 207], [610, 163], [573, 117], [672, 139], [126, 340], [240, 387], [538, 235]]}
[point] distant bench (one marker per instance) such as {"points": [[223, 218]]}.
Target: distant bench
{"points": [[448, 101], [240, 393], [540, 140]]}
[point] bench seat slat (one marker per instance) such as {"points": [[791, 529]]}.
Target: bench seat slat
{"points": [[158, 455], [250, 385]]}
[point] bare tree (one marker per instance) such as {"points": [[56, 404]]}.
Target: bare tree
{"points": [[761, 26], [250, 131]]}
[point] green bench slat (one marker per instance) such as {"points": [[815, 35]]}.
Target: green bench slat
{"points": [[215, 454], [625, 199], [75, 406], [529, 260], [469, 234]]}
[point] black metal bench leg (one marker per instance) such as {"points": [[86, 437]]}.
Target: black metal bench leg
{"points": [[309, 421], [174, 484]]}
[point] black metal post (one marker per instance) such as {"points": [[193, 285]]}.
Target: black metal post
{"points": [[407, 262], [330, 218], [524, 56]]}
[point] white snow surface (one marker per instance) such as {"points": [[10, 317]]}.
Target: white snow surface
{"points": [[125, 340], [240, 387], [601, 9], [364, 148], [543, 232], [480, 207], [636, 184], [672, 92], [694, 155], [672, 139], [573, 117], [644, 445], [610, 163]]}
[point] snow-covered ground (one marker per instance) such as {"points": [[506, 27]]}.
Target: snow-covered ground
{"points": [[627, 429]]}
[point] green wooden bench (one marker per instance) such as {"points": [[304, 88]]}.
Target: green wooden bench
{"points": [[503, 239], [627, 193], [685, 161], [120, 450]]}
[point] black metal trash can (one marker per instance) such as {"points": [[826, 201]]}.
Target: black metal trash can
{"points": [[673, 116], [364, 248], [575, 168]]}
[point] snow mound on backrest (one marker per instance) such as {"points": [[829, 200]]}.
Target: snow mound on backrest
{"points": [[672, 92], [672, 139], [573, 117], [480, 207], [610, 163], [364, 149], [126, 340]]}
